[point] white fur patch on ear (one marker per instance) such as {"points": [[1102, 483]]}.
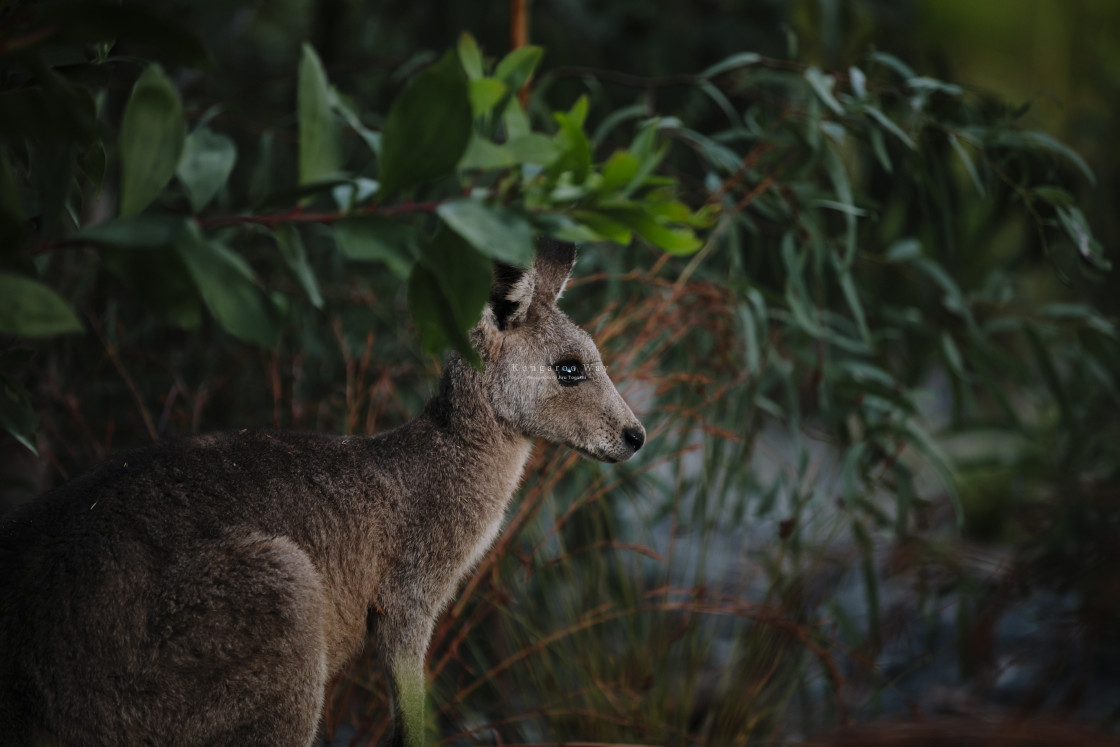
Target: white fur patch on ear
{"points": [[521, 294], [562, 287]]}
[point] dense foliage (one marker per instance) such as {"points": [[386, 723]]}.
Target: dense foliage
{"points": [[849, 303]]}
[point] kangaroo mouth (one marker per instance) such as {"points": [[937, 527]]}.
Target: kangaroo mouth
{"points": [[599, 457]]}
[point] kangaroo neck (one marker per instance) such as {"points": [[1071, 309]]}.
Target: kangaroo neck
{"points": [[462, 409]]}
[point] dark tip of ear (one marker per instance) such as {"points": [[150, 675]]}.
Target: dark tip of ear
{"points": [[556, 252], [505, 277]]}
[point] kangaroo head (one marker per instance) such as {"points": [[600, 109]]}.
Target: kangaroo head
{"points": [[543, 374]]}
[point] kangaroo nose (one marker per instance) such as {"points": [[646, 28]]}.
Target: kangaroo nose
{"points": [[634, 437]]}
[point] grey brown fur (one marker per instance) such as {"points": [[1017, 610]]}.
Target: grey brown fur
{"points": [[204, 590]]}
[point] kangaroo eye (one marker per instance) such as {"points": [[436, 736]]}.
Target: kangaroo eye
{"points": [[569, 372]]}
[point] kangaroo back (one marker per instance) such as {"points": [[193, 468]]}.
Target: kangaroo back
{"points": [[204, 590]]}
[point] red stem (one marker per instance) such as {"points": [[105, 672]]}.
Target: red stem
{"points": [[296, 215]]}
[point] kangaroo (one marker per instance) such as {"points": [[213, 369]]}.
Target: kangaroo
{"points": [[204, 590]]}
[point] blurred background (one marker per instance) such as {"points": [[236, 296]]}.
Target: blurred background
{"points": [[879, 501]]}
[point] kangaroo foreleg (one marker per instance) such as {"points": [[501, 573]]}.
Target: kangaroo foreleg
{"points": [[403, 640]]}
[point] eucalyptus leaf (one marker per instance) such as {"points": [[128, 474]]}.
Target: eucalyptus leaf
{"points": [[371, 138], [886, 123], [823, 84], [673, 240], [1043, 141], [320, 149], [575, 147], [966, 159], [485, 94], [30, 309], [205, 165], [151, 141], [291, 246], [229, 289], [428, 128], [434, 316], [533, 148], [470, 56], [375, 238], [93, 163], [463, 273], [485, 155], [496, 231], [735, 61], [517, 67]]}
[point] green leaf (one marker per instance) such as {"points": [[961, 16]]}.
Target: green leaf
{"points": [[1054, 195], [606, 228], [94, 163], [291, 247], [967, 161], [1042, 141], [823, 84], [205, 165], [838, 174], [886, 123], [470, 56], [497, 232], [851, 295], [229, 290], [904, 250], [371, 138], [517, 67], [953, 356], [515, 120], [932, 84], [485, 155], [17, 415], [151, 140], [441, 318], [575, 147], [672, 240], [428, 128], [619, 171], [485, 94], [261, 183], [879, 146], [859, 82], [463, 272], [894, 63], [139, 232], [611, 121], [953, 300], [916, 435], [533, 148], [351, 194], [1079, 232], [320, 152], [373, 238], [30, 309], [741, 59]]}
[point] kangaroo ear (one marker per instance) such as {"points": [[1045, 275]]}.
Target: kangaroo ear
{"points": [[555, 260], [511, 294]]}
